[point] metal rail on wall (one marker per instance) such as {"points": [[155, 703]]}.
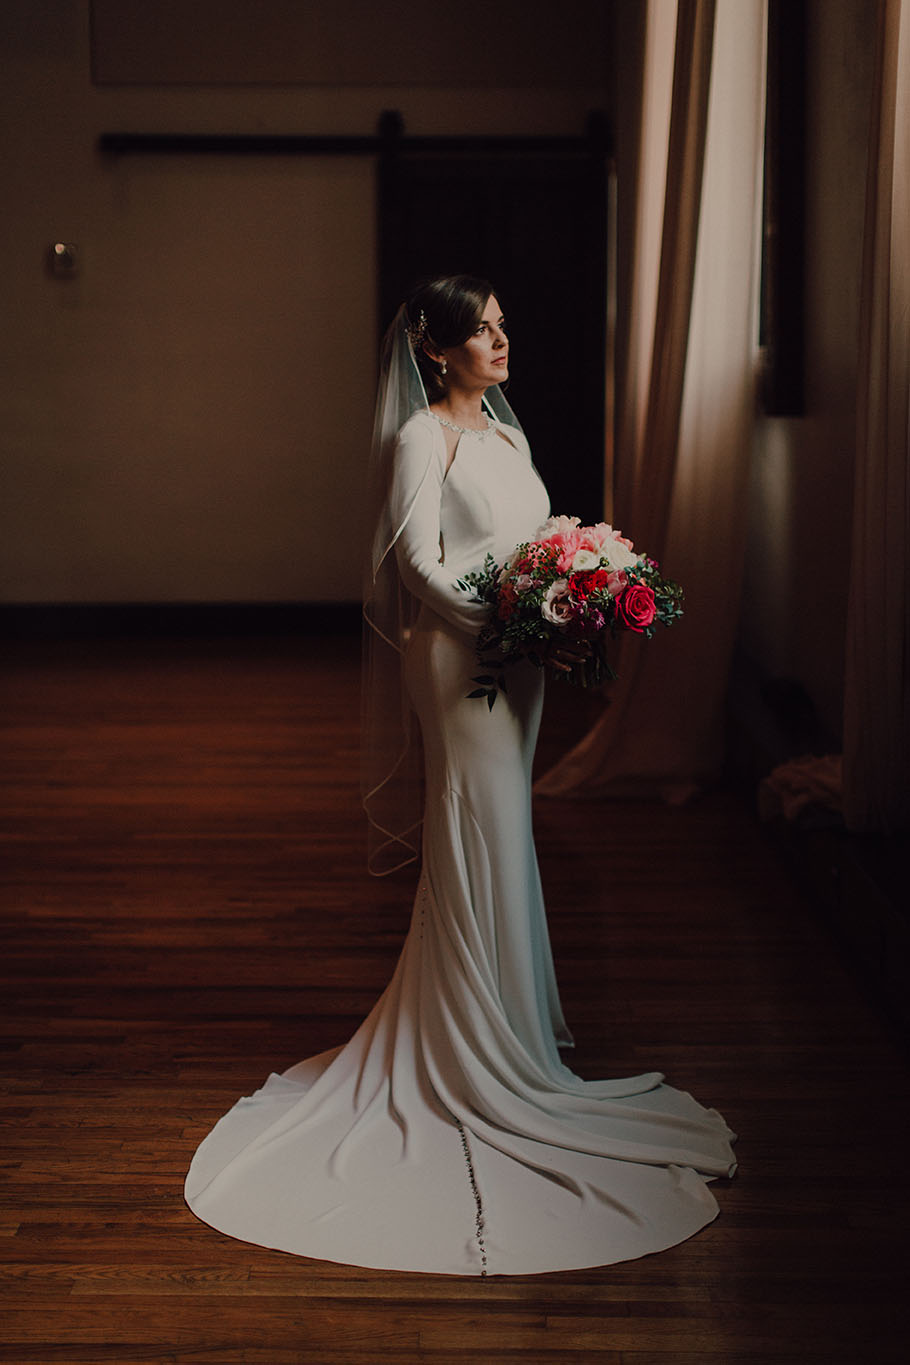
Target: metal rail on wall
{"points": [[390, 138]]}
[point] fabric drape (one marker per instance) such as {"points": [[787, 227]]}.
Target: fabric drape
{"points": [[877, 683], [648, 498], [686, 410]]}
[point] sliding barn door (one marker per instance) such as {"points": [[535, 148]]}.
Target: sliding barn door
{"points": [[535, 224]]}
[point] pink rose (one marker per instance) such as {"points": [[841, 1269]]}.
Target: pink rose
{"points": [[636, 608], [556, 607]]}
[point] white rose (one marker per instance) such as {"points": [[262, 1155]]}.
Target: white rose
{"points": [[584, 560], [619, 556]]}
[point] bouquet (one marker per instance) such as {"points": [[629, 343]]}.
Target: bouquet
{"points": [[570, 582]]}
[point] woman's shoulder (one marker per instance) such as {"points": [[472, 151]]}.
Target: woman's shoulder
{"points": [[419, 428], [514, 435], [420, 433], [421, 420]]}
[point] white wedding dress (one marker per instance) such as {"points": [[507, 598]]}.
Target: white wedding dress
{"points": [[447, 1135]]}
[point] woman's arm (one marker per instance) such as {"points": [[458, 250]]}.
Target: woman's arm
{"points": [[416, 497]]}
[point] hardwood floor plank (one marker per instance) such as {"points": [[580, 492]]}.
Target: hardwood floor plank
{"points": [[95, 1320], [184, 908], [227, 1355]]}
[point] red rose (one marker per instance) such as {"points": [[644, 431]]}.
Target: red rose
{"points": [[507, 599], [636, 608]]}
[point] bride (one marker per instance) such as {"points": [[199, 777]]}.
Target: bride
{"points": [[448, 1135]]}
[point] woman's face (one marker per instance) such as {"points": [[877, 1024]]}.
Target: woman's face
{"points": [[483, 359]]}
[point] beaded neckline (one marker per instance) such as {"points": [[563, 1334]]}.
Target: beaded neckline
{"points": [[480, 432]]}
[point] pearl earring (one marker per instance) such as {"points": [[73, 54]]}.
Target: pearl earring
{"points": [[443, 365]]}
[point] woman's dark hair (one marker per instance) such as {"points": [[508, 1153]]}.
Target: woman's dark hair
{"points": [[452, 306]]}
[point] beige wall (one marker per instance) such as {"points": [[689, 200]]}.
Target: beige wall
{"points": [[185, 419], [798, 556]]}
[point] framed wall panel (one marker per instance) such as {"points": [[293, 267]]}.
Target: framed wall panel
{"points": [[350, 42]]}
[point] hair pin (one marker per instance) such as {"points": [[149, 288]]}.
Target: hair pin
{"points": [[417, 331]]}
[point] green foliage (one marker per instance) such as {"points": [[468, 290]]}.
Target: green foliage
{"points": [[668, 595]]}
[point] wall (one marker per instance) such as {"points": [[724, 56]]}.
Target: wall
{"points": [[185, 419], [795, 592]]}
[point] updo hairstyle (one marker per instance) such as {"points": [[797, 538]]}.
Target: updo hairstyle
{"points": [[453, 307]]}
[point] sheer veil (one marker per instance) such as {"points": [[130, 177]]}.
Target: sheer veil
{"points": [[391, 756]]}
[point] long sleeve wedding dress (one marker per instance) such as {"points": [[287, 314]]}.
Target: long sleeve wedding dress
{"points": [[447, 1135]]}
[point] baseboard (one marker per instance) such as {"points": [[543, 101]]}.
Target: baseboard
{"points": [[106, 620]]}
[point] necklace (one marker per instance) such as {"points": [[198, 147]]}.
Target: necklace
{"points": [[480, 432]]}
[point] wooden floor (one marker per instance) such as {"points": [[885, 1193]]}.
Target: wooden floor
{"points": [[185, 909]]}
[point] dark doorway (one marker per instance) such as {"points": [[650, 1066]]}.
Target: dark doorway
{"points": [[531, 216]]}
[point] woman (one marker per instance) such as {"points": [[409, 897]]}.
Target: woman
{"points": [[448, 1135]]}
